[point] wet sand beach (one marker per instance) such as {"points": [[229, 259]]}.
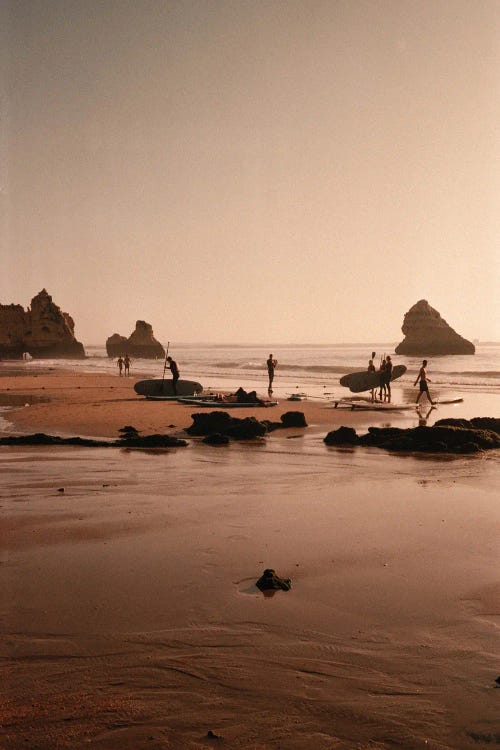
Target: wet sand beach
{"points": [[131, 617]]}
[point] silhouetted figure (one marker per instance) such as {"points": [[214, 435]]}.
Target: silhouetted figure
{"points": [[371, 368], [388, 376], [126, 364], [120, 365], [383, 388], [271, 366], [424, 380], [175, 373]]}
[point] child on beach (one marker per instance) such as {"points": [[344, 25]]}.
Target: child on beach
{"points": [[120, 365], [424, 388]]}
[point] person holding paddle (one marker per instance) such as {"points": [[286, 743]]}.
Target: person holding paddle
{"points": [[175, 373]]}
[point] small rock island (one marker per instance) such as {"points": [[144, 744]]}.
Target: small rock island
{"points": [[141, 343], [43, 331], [427, 334]]}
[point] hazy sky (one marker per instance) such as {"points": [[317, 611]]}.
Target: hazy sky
{"points": [[252, 170]]}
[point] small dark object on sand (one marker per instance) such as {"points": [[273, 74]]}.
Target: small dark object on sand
{"points": [[61, 489], [498, 681], [269, 580], [212, 736]]}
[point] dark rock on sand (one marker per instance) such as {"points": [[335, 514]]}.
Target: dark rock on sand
{"points": [[220, 421], [216, 439], [270, 581], [342, 436], [427, 334], [436, 439], [43, 331], [141, 343], [293, 419], [479, 423], [135, 441]]}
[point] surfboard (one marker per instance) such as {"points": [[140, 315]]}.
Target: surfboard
{"points": [[199, 397], [222, 405], [365, 381], [159, 387]]}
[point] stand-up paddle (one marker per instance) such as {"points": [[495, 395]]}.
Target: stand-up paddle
{"points": [[165, 365]]}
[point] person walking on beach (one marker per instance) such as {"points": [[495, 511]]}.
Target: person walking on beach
{"points": [[126, 364], [175, 373], [120, 365], [424, 380], [388, 376], [271, 366]]}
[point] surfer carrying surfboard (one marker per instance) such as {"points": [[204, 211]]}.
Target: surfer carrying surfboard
{"points": [[175, 373], [424, 380], [271, 366], [387, 376]]}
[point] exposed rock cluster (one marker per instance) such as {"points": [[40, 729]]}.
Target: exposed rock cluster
{"points": [[427, 334], [440, 438], [141, 343], [43, 331], [222, 424]]}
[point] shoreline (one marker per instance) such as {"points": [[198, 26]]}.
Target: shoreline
{"points": [[66, 403]]}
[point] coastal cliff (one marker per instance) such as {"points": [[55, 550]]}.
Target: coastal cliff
{"points": [[43, 331], [141, 343], [427, 334]]}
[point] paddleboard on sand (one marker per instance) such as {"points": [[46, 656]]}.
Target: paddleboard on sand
{"points": [[159, 387], [222, 405], [365, 381]]}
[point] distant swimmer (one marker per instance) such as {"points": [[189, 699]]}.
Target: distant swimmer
{"points": [[126, 364], [120, 365], [271, 366], [175, 373], [424, 380]]}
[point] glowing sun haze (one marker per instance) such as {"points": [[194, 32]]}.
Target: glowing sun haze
{"points": [[252, 171]]}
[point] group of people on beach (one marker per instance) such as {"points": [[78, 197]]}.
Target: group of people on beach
{"points": [[385, 369], [123, 364]]}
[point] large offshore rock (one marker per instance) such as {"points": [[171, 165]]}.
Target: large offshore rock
{"points": [[141, 343], [43, 331], [427, 334]]}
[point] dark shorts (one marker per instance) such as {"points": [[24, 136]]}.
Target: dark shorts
{"points": [[423, 386]]}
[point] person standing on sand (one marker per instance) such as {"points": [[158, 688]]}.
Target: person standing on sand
{"points": [[175, 373], [126, 363], [424, 388], [381, 370], [388, 376], [271, 366], [120, 365], [371, 368]]}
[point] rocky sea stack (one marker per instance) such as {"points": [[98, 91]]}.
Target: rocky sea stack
{"points": [[43, 331], [141, 343], [427, 334]]}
